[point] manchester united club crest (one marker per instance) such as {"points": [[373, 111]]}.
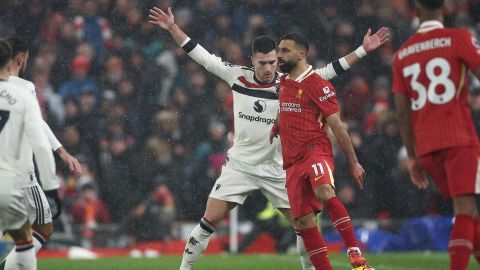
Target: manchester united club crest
{"points": [[299, 93]]}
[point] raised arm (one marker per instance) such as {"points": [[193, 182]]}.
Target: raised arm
{"points": [[210, 62], [341, 134], [370, 43]]}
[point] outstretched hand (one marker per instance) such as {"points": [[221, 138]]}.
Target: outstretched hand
{"points": [[160, 18], [372, 42]]}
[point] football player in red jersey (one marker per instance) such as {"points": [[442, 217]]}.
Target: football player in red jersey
{"points": [[308, 104], [430, 86], [252, 162]]}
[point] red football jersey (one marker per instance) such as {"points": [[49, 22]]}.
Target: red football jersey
{"points": [[431, 67], [304, 105]]}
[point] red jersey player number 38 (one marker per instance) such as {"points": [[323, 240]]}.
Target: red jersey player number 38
{"points": [[437, 79]]}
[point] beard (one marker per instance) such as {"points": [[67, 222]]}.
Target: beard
{"points": [[287, 67]]}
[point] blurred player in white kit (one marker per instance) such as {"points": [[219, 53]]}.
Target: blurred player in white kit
{"points": [[37, 206], [20, 126]]}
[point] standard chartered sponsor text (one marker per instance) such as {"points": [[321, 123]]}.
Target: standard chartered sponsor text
{"points": [[290, 107], [257, 118]]}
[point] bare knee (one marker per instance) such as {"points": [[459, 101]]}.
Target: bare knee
{"points": [[287, 213], [24, 234], [216, 210], [44, 229], [305, 222], [324, 192]]}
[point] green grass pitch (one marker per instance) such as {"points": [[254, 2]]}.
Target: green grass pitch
{"points": [[384, 261]]}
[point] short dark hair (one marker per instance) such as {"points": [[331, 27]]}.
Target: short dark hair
{"points": [[431, 4], [5, 52], [263, 44], [298, 38], [19, 45]]}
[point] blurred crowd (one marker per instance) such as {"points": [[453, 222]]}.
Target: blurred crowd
{"points": [[151, 127]]}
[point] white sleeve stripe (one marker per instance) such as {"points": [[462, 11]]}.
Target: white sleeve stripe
{"points": [[327, 72]]}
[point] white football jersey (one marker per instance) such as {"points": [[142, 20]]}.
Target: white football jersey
{"points": [[21, 127], [29, 178], [255, 106]]}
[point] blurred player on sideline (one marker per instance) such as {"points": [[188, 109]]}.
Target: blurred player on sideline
{"points": [[431, 95], [252, 162], [38, 208], [308, 105], [20, 126]]}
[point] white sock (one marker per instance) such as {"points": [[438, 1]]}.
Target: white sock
{"points": [[306, 263], [10, 260], [38, 242], [25, 258], [196, 244], [350, 249]]}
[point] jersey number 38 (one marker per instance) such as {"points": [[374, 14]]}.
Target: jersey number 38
{"points": [[429, 93]]}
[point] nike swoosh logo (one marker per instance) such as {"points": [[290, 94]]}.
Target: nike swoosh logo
{"points": [[318, 177]]}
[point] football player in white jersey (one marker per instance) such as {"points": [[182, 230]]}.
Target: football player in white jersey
{"points": [[252, 162], [20, 125], [38, 207]]}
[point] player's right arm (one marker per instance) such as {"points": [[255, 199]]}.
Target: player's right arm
{"points": [[404, 117], [209, 61], [41, 147]]}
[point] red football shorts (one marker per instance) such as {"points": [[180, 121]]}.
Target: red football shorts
{"points": [[454, 170], [303, 177]]}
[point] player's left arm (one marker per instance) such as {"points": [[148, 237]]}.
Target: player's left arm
{"points": [[71, 162], [370, 43], [468, 49], [340, 132], [323, 95], [39, 143]]}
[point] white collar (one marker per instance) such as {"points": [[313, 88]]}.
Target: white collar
{"points": [[304, 74], [429, 26]]}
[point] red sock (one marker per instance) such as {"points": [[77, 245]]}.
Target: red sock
{"points": [[460, 245], [316, 248], [341, 221], [476, 240]]}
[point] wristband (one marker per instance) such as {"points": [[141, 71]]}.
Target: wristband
{"points": [[344, 64], [360, 52], [185, 42]]}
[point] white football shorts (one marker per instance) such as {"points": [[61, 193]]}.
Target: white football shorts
{"points": [[13, 213], [238, 180], [38, 208]]}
